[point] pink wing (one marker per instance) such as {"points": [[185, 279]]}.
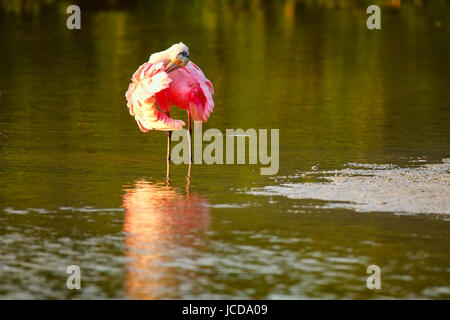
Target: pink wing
{"points": [[147, 81], [189, 90]]}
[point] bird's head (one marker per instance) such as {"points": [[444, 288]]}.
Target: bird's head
{"points": [[178, 55]]}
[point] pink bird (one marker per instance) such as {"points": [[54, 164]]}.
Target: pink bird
{"points": [[169, 79]]}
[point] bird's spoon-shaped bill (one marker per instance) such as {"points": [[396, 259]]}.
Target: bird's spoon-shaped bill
{"points": [[171, 66]]}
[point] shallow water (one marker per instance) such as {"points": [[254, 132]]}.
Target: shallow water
{"points": [[80, 184]]}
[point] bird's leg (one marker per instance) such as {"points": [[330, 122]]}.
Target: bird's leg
{"points": [[190, 137], [169, 144], [169, 139], [188, 178]]}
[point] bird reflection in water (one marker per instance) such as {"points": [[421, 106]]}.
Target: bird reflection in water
{"points": [[164, 233]]}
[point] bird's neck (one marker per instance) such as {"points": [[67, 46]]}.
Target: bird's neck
{"points": [[162, 56]]}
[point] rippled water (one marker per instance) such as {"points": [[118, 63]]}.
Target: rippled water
{"points": [[80, 184]]}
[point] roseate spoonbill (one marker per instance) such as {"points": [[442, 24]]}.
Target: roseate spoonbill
{"points": [[167, 79]]}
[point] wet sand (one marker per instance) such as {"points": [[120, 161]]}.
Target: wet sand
{"points": [[370, 187]]}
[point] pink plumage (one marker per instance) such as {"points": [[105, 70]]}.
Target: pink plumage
{"points": [[153, 91]]}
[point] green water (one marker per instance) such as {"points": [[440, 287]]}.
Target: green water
{"points": [[81, 185]]}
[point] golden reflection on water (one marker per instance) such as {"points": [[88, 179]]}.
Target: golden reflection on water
{"points": [[159, 220]]}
